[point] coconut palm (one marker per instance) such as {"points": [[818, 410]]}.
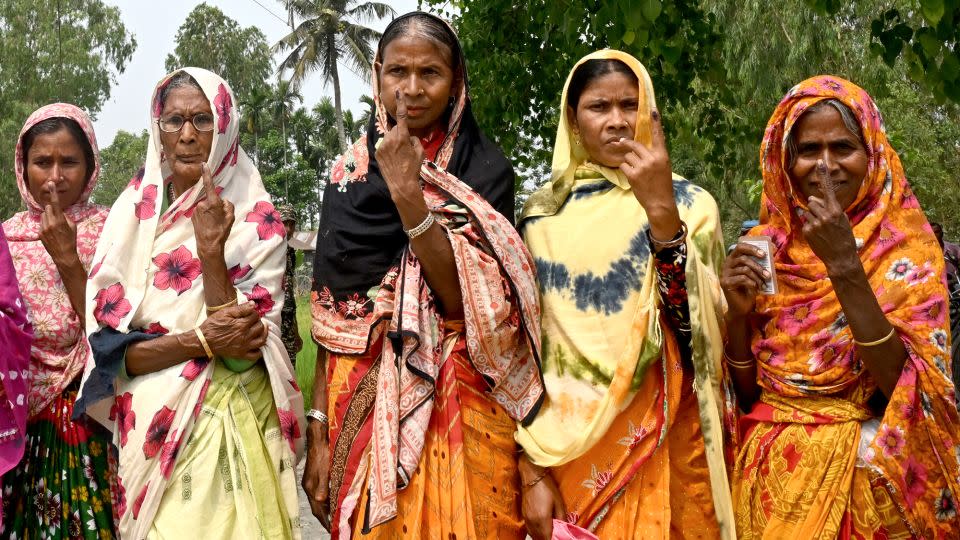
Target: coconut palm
{"points": [[281, 104], [330, 31], [254, 108]]}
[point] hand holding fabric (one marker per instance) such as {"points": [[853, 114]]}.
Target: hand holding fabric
{"points": [[827, 228], [212, 219], [236, 332], [742, 279], [57, 232], [400, 156], [651, 178]]}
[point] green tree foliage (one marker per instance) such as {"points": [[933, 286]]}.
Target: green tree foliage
{"points": [[67, 51], [330, 32], [209, 39], [118, 163]]}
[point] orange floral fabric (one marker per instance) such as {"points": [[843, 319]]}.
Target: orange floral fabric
{"points": [[806, 354], [647, 477]]}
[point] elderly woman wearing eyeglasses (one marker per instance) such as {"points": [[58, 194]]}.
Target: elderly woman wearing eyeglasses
{"points": [[184, 307]]}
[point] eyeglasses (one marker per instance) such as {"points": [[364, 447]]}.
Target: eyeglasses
{"points": [[173, 124]]}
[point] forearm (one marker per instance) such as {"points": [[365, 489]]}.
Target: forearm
{"points": [[156, 354], [316, 429], [744, 375], [217, 287], [434, 252], [868, 323], [74, 278]]}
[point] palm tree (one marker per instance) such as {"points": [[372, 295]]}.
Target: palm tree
{"points": [[327, 34], [254, 108], [285, 97]]}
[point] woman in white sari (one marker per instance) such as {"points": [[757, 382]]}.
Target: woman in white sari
{"points": [[183, 309]]}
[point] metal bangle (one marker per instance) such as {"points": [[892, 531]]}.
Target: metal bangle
{"points": [[677, 240], [318, 415], [422, 227], [203, 342], [880, 341], [742, 364]]}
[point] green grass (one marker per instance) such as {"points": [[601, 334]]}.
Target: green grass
{"points": [[307, 357]]}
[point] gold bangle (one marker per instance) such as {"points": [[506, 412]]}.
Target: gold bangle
{"points": [[742, 364], [203, 341], [880, 341], [215, 309], [536, 480]]}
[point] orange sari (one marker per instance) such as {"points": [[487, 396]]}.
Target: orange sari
{"points": [[817, 461]]}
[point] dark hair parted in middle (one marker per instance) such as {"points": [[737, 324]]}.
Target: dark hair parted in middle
{"points": [[591, 70], [426, 26], [53, 125]]}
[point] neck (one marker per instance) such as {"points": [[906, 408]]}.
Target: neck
{"points": [[180, 185]]}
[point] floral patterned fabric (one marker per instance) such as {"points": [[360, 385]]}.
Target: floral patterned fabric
{"points": [[146, 278], [612, 365], [813, 436], [60, 348]]}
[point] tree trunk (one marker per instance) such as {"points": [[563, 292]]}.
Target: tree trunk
{"points": [[341, 136], [286, 166]]}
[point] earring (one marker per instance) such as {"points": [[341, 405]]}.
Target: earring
{"points": [[576, 139]]}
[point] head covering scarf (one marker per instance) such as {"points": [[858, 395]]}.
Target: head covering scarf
{"points": [[602, 331], [15, 337], [367, 282], [804, 345], [147, 278], [60, 347]]}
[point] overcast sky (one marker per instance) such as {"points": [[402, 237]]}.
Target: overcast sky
{"points": [[155, 24]]}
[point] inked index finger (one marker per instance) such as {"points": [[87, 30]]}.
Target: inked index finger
{"points": [[208, 183], [54, 197], [656, 125], [402, 114], [826, 183]]}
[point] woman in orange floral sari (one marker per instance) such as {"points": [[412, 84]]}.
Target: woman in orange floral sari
{"points": [[851, 427]]}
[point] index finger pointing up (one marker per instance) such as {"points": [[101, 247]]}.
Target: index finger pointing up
{"points": [[656, 125], [54, 197], [826, 183], [402, 113], [208, 183]]}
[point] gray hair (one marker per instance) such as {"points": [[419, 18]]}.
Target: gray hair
{"points": [[849, 121], [181, 79]]}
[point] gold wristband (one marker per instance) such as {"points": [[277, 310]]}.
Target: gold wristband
{"points": [[741, 364], [880, 341], [215, 309], [203, 341]]}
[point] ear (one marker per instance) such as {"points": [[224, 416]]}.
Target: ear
{"points": [[572, 119]]}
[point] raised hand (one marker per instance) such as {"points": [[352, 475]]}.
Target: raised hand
{"points": [[58, 233], [651, 179], [212, 219], [742, 279], [827, 228], [400, 156]]}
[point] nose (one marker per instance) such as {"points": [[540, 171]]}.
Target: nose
{"points": [[412, 85], [187, 132], [56, 173], [618, 119]]}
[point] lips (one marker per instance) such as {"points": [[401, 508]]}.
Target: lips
{"points": [[415, 111]]}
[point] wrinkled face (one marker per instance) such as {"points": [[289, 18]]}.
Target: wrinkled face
{"points": [[186, 149], [606, 112], [56, 157], [421, 69], [822, 135]]}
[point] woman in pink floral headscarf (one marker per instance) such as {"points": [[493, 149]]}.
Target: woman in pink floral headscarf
{"points": [[61, 489], [183, 317]]}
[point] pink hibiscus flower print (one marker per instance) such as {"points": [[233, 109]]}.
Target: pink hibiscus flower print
{"points": [[887, 238], [120, 497], [914, 480], [137, 179], [891, 440], [261, 297], [176, 270], [168, 454], [900, 269], [238, 272], [157, 432], [111, 306], [352, 307], [95, 269], [825, 356], [125, 417], [939, 339], [194, 367], [138, 502], [156, 328], [932, 312], [289, 426], [796, 319], [223, 104], [147, 207], [769, 353], [267, 219]]}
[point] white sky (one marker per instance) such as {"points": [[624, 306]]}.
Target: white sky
{"points": [[155, 24]]}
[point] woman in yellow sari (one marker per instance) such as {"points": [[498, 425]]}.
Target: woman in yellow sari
{"points": [[628, 443], [851, 428]]}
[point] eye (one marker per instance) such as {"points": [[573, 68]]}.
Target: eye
{"points": [[395, 70]]}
